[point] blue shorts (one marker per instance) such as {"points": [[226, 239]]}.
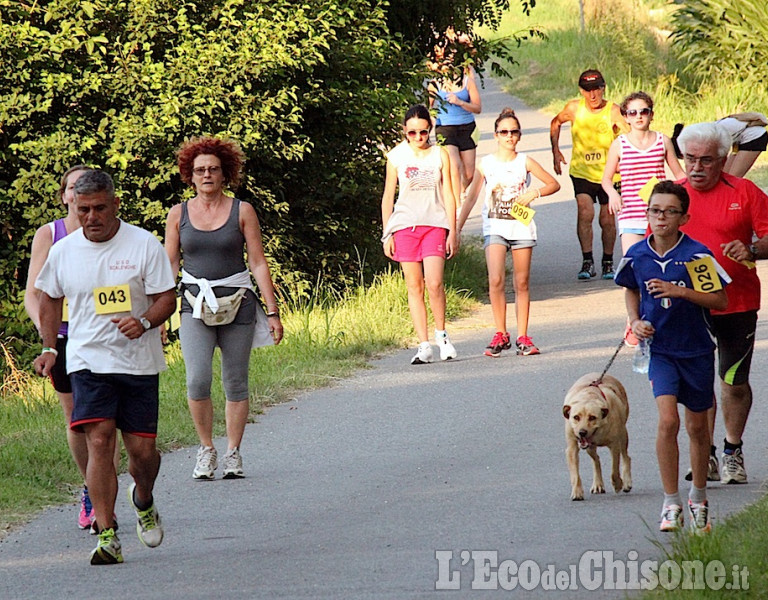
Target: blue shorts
{"points": [[633, 230], [691, 380], [131, 400]]}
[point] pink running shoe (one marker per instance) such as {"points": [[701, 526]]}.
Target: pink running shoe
{"points": [[526, 347], [86, 510], [499, 342]]}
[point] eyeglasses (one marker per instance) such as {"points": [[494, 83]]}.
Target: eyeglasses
{"points": [[202, 170], [412, 133], [667, 212], [643, 112], [704, 161], [508, 132]]}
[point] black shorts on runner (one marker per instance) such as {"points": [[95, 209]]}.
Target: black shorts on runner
{"points": [[131, 400], [593, 190], [735, 335], [58, 375], [456, 135], [756, 145]]}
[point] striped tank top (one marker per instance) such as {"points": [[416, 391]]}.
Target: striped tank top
{"points": [[636, 168]]}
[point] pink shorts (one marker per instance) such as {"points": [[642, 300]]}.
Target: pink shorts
{"points": [[416, 243]]}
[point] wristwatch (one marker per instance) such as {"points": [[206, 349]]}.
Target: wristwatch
{"points": [[753, 250], [145, 323]]}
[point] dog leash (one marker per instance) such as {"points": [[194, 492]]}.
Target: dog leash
{"points": [[610, 362]]}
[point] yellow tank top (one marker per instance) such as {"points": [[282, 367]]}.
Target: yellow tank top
{"points": [[592, 135]]}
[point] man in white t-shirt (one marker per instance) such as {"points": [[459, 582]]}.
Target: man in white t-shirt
{"points": [[119, 287]]}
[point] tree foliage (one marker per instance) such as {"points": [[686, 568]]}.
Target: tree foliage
{"points": [[311, 91], [723, 39]]}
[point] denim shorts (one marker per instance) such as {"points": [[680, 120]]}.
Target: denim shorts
{"points": [[510, 244]]}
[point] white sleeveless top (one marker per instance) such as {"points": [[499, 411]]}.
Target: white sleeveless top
{"points": [[505, 181]]}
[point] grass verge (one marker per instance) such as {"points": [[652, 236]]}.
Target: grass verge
{"points": [[328, 336]]}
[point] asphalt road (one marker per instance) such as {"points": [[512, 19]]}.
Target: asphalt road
{"points": [[405, 480]]}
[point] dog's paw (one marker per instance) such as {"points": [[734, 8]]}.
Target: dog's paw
{"points": [[618, 484], [577, 493], [597, 489], [627, 488]]}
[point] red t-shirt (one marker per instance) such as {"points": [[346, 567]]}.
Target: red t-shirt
{"points": [[734, 209]]}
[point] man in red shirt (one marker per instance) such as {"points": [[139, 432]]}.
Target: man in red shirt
{"points": [[729, 215]]}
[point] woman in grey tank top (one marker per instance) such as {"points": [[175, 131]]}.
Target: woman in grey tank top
{"points": [[206, 236]]}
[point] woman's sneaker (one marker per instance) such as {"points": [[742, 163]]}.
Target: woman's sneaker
{"points": [[447, 350], [233, 464], [671, 518], [525, 346], [86, 510], [501, 341], [207, 461], [699, 513], [423, 354]]}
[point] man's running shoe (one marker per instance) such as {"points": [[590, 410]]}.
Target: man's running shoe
{"points": [[713, 470], [108, 551], [149, 527], [207, 461], [501, 341], [233, 464], [525, 346], [587, 270], [423, 354], [86, 510], [699, 514], [671, 518], [608, 272], [733, 467], [447, 350]]}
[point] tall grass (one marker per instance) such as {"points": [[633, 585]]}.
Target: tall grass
{"points": [[328, 334]]}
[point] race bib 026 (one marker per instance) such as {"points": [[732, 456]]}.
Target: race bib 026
{"points": [[704, 276]]}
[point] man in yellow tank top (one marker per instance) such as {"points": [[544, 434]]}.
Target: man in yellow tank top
{"points": [[595, 122]]}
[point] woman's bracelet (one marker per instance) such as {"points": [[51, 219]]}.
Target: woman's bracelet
{"points": [[50, 350]]}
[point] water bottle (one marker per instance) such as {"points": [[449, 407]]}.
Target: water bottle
{"points": [[642, 359]]}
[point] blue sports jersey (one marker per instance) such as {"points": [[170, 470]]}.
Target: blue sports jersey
{"points": [[682, 327]]}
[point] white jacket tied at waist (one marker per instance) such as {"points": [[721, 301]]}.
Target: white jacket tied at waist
{"points": [[262, 336]]}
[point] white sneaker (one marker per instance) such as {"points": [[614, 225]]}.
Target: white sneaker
{"points": [[447, 351], [423, 354], [149, 527], [733, 467], [207, 461], [233, 464]]}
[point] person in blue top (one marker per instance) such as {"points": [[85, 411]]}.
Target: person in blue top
{"points": [[672, 281], [455, 95]]}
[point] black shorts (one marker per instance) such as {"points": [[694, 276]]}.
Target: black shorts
{"points": [[58, 376], [735, 335], [456, 135], [131, 400], [756, 145], [593, 190]]}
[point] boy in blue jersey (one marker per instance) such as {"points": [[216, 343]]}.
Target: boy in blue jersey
{"points": [[672, 281]]}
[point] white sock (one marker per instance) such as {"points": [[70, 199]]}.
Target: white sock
{"points": [[697, 495], [672, 499], [440, 334]]}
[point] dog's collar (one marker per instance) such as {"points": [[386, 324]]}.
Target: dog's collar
{"points": [[597, 385]]}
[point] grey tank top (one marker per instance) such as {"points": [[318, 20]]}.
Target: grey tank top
{"points": [[215, 254]]}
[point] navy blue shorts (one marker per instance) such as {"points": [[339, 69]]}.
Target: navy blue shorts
{"points": [[58, 375], [131, 400], [691, 380]]}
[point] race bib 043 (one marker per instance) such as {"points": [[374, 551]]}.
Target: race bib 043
{"points": [[112, 299]]}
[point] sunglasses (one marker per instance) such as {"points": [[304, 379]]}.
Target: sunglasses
{"points": [[508, 132], [643, 112], [202, 170], [667, 212], [412, 133]]}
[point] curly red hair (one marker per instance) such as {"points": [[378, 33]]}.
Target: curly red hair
{"points": [[227, 151]]}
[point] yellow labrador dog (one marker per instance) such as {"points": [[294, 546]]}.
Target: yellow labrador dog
{"points": [[596, 415]]}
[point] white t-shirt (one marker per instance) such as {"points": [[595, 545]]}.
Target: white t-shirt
{"points": [[504, 182], [420, 197], [76, 267], [740, 132]]}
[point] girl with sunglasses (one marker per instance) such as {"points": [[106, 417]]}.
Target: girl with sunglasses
{"points": [[637, 156], [420, 229], [506, 175]]}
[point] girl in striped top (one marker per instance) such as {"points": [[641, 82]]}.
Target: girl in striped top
{"points": [[637, 156]]}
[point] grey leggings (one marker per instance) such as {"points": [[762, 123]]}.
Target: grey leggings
{"points": [[198, 342]]}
